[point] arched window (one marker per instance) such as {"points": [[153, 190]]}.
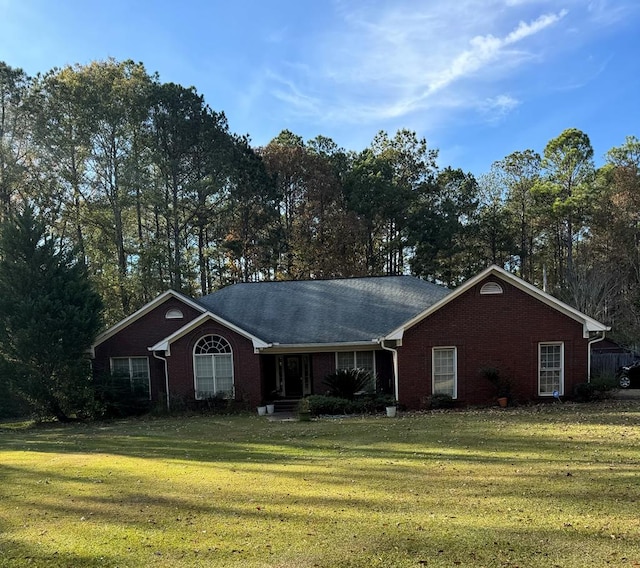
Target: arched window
{"points": [[174, 314], [491, 288], [213, 367]]}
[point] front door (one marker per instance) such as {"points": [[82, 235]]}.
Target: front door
{"points": [[294, 375]]}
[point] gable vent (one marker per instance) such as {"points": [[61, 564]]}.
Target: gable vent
{"points": [[174, 314], [491, 288]]}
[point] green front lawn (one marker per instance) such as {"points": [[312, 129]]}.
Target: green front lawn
{"points": [[544, 486]]}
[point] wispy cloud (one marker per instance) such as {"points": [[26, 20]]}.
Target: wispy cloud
{"points": [[400, 60], [498, 107], [484, 50]]}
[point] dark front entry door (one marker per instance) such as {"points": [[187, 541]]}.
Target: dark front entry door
{"points": [[293, 375]]}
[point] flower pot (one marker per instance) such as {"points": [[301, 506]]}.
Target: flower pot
{"points": [[304, 416], [262, 410], [391, 411], [503, 401], [271, 408]]}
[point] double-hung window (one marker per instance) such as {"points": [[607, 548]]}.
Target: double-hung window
{"points": [[444, 371], [364, 360], [213, 367], [550, 368], [356, 360], [136, 370]]}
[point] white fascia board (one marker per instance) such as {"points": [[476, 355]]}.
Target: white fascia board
{"points": [[165, 344], [589, 324], [159, 300], [280, 348]]}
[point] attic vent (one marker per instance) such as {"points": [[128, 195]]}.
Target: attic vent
{"points": [[491, 288], [174, 314]]}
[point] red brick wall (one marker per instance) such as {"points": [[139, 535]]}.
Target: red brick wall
{"points": [[246, 365], [501, 331], [136, 338], [322, 364]]}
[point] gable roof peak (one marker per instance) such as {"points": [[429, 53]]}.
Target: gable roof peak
{"points": [[157, 301], [589, 324]]}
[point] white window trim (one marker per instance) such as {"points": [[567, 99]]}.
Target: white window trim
{"points": [[455, 368], [129, 359], [561, 386], [195, 378]]}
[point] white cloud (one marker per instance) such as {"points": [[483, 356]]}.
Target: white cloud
{"points": [[499, 106], [400, 60], [524, 30]]}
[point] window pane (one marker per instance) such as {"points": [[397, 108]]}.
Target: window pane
{"points": [[214, 375], [224, 374], [135, 370], [120, 367], [204, 376], [204, 366], [346, 360], [139, 368], [364, 360], [444, 373], [550, 373], [212, 344], [140, 376]]}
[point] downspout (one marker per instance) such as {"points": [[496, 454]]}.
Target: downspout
{"points": [[591, 342], [166, 378], [394, 355]]}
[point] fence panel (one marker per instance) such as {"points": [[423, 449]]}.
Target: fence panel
{"points": [[609, 363]]}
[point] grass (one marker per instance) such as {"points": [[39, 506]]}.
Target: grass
{"points": [[557, 485]]}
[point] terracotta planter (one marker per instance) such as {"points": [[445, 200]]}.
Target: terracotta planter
{"points": [[503, 401]]}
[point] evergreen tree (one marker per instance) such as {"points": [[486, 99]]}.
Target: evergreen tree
{"points": [[49, 316]]}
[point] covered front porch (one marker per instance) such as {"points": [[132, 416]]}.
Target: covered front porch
{"points": [[292, 376]]}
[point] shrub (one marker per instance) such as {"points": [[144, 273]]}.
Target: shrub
{"points": [[598, 389], [114, 397], [441, 401], [345, 383], [320, 404], [364, 404]]}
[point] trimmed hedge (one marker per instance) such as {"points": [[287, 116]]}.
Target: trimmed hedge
{"points": [[364, 404]]}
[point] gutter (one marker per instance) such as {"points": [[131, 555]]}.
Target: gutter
{"points": [[279, 348], [166, 378], [591, 342], [394, 354]]}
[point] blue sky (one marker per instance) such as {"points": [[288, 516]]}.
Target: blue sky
{"points": [[478, 79]]}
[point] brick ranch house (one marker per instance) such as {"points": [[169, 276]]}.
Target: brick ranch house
{"points": [[259, 341]]}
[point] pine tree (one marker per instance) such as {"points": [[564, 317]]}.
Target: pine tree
{"points": [[49, 316]]}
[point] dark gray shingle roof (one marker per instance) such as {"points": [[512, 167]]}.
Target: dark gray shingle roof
{"points": [[324, 311]]}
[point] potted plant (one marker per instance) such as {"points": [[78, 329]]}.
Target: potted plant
{"points": [[500, 383], [304, 410], [262, 410], [271, 405]]}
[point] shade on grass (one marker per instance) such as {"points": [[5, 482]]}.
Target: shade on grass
{"points": [[551, 486]]}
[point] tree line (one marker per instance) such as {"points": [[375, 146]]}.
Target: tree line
{"points": [[152, 189]]}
